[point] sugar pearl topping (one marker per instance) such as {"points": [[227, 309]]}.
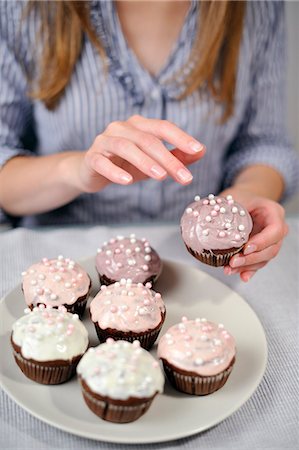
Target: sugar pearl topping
{"points": [[215, 223], [128, 258], [120, 369], [55, 282], [199, 346], [47, 334], [127, 307]]}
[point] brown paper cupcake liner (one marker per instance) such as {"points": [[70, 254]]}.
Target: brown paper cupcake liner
{"points": [[215, 258], [119, 411], [195, 384], [45, 372], [146, 339]]}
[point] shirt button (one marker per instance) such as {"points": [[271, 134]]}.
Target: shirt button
{"points": [[155, 94]]}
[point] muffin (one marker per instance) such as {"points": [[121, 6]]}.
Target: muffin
{"points": [[128, 258], [128, 311], [57, 282], [48, 343], [119, 380], [197, 355], [215, 228]]}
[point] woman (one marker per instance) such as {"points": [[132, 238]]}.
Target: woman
{"points": [[112, 86]]}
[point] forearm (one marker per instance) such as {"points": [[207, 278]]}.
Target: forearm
{"points": [[32, 185], [259, 180]]}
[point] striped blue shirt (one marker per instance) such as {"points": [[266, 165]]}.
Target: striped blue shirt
{"points": [[255, 134]]}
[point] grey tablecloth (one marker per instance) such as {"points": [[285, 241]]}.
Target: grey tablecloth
{"points": [[269, 419]]}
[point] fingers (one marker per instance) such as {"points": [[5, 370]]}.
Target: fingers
{"points": [[151, 146], [240, 260], [129, 152], [168, 132], [112, 172]]}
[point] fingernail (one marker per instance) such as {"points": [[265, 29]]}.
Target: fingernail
{"points": [[158, 171], [249, 276], [184, 175], [126, 177], [196, 146], [237, 262], [250, 248]]}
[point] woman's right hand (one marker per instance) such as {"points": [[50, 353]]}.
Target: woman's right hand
{"points": [[133, 150]]}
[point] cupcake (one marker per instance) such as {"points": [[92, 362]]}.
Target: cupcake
{"points": [[57, 282], [128, 311], [48, 343], [215, 228], [197, 355], [119, 380], [128, 258]]}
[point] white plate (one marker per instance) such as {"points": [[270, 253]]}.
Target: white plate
{"points": [[186, 291]]}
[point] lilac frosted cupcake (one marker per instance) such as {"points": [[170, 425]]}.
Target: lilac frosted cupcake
{"points": [[57, 282], [215, 228], [128, 258], [197, 355], [128, 311]]}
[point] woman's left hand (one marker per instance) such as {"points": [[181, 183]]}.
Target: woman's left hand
{"points": [[269, 230]]}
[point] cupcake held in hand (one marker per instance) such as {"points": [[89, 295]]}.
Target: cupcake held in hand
{"points": [[119, 380], [197, 355], [57, 282], [131, 258], [48, 344], [129, 311], [215, 228]]}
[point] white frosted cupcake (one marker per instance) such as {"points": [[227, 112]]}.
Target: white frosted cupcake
{"points": [[119, 380], [129, 311], [197, 355], [48, 344]]}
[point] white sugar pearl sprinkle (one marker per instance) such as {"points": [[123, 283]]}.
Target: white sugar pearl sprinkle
{"points": [[128, 251], [234, 209], [147, 258], [189, 210], [145, 267], [57, 278], [205, 232], [33, 282], [108, 252], [242, 213], [197, 198], [195, 213], [229, 197], [24, 274], [198, 362], [147, 250], [53, 297], [208, 218], [227, 225], [222, 234], [211, 196], [67, 285], [222, 210], [241, 227], [133, 241], [212, 202], [137, 249]]}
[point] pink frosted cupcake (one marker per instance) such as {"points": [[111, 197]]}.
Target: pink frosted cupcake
{"points": [[129, 258], [128, 311], [197, 355], [57, 282], [215, 228]]}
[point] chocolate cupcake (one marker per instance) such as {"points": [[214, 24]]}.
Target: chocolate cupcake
{"points": [[48, 343], [127, 258], [215, 228], [128, 311], [197, 355], [119, 380], [57, 282]]}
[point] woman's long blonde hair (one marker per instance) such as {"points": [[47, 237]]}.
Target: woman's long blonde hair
{"points": [[215, 51]]}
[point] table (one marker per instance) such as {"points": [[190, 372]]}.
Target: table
{"points": [[268, 420]]}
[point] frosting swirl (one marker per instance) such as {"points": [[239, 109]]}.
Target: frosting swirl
{"points": [[48, 334], [55, 282], [121, 370], [128, 258], [198, 346], [215, 223], [127, 306]]}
